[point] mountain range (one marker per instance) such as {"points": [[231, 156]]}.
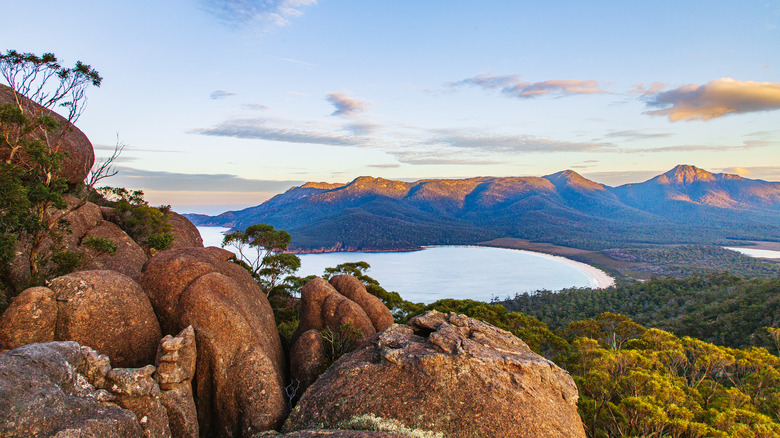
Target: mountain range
{"points": [[683, 205]]}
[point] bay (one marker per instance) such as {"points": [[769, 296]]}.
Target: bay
{"points": [[761, 253], [460, 272]]}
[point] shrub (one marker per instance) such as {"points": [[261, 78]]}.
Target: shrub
{"points": [[102, 244], [66, 262], [160, 242]]}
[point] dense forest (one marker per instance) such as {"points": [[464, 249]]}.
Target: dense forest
{"points": [[718, 308], [690, 357]]}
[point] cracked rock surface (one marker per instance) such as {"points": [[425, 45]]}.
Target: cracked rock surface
{"points": [[447, 375]]}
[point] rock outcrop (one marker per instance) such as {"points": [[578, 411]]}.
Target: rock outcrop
{"points": [[42, 394], [375, 309], [105, 310], [322, 306], [135, 390], [176, 359], [444, 374], [79, 155], [240, 378], [308, 359], [334, 434], [185, 234]]}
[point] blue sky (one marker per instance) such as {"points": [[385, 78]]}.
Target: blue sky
{"points": [[224, 103]]}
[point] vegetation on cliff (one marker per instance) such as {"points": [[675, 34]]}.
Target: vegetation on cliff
{"points": [[720, 308]]}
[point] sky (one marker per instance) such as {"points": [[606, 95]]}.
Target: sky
{"points": [[223, 104]]}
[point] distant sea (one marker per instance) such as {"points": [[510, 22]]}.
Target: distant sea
{"points": [[461, 272]]}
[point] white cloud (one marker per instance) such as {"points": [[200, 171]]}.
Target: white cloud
{"points": [[346, 105], [714, 99]]}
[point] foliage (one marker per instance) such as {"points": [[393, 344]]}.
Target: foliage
{"points": [[656, 384], [261, 251], [102, 244], [160, 241], [33, 188], [269, 265], [635, 381], [146, 225], [66, 262], [340, 341], [719, 308], [689, 260]]}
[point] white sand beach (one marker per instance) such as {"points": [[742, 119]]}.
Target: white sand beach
{"points": [[603, 280]]}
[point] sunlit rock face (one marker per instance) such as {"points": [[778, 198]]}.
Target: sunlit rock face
{"points": [[446, 375]]}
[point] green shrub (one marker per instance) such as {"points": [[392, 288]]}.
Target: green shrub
{"points": [[66, 262], [102, 244], [145, 224], [160, 241]]}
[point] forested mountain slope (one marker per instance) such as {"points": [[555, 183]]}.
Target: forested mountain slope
{"points": [[684, 205]]}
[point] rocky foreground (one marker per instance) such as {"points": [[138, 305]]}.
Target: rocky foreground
{"points": [[86, 356]]}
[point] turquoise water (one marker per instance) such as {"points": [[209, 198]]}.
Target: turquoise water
{"points": [[462, 272]]}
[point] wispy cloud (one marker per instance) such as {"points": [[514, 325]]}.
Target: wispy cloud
{"points": [[261, 129], [170, 181], [746, 145], [512, 85], [346, 105], [385, 166], [428, 159], [220, 94], [629, 135], [408, 144], [364, 127], [274, 12], [519, 143], [714, 99], [254, 106]]}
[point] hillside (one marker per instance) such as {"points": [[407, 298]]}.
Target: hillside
{"points": [[684, 205]]}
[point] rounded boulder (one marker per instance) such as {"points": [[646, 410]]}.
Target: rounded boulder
{"points": [[444, 375], [240, 378], [105, 310]]}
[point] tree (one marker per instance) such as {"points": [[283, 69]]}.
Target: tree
{"points": [[355, 269], [33, 207], [261, 250]]}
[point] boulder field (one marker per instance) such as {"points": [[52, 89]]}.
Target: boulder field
{"points": [[196, 352]]}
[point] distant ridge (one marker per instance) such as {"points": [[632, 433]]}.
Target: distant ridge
{"points": [[684, 205]]}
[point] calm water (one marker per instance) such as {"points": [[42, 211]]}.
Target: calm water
{"points": [[763, 253], [477, 273]]}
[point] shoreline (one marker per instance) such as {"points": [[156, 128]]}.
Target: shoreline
{"points": [[602, 279]]}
